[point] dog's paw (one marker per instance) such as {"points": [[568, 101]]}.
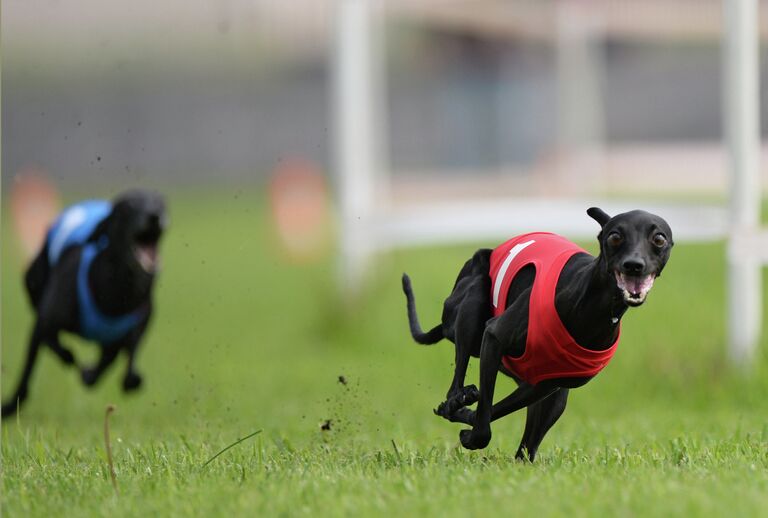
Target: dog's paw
{"points": [[463, 415], [447, 408], [89, 376], [469, 395], [132, 381], [473, 440], [521, 455], [456, 402]]}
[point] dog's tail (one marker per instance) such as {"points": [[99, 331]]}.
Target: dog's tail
{"points": [[432, 336]]}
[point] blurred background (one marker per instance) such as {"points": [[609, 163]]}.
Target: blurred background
{"points": [[219, 92], [231, 108]]}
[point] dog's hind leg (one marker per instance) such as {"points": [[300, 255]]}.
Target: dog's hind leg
{"points": [[490, 360], [458, 395], [542, 415], [14, 402], [472, 314]]}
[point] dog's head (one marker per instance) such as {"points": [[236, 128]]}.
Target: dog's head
{"points": [[135, 227], [635, 247]]}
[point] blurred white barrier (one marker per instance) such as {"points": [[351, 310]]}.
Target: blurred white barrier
{"points": [[489, 220], [358, 104], [742, 129]]}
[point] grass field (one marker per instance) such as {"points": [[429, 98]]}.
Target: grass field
{"points": [[244, 341]]}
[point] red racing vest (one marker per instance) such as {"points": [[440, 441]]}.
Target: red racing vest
{"points": [[550, 350]]}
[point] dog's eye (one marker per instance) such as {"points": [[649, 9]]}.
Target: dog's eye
{"points": [[659, 240], [614, 239]]}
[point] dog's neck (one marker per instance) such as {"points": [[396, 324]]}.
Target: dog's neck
{"points": [[118, 286], [589, 304]]}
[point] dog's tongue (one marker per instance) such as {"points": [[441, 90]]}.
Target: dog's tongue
{"points": [[147, 257], [635, 287]]}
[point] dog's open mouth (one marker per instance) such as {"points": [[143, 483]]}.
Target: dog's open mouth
{"points": [[145, 250], [634, 287]]}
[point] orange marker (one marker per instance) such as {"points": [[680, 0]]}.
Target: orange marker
{"points": [[300, 210], [35, 203]]}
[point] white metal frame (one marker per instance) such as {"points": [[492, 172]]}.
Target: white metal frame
{"points": [[358, 91], [369, 224], [747, 249]]}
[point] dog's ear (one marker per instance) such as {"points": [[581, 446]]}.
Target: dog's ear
{"points": [[598, 215]]}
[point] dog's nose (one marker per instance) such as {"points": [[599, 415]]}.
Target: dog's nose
{"points": [[157, 220], [633, 266]]}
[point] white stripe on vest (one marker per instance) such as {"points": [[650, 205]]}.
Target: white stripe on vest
{"points": [[505, 266]]}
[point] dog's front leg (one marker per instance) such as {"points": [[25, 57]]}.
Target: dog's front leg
{"points": [[62, 352], [525, 396], [108, 354], [490, 360], [522, 397], [541, 416], [132, 379]]}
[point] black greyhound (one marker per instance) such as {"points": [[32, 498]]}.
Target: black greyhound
{"points": [[94, 277], [591, 295]]}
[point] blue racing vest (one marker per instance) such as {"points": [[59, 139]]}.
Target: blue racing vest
{"points": [[73, 228]]}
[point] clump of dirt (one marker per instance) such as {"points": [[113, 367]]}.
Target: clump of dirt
{"points": [[344, 410]]}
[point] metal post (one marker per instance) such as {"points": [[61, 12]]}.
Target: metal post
{"points": [[354, 110], [581, 118], [742, 129]]}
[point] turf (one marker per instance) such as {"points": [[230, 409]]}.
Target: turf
{"points": [[245, 339]]}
